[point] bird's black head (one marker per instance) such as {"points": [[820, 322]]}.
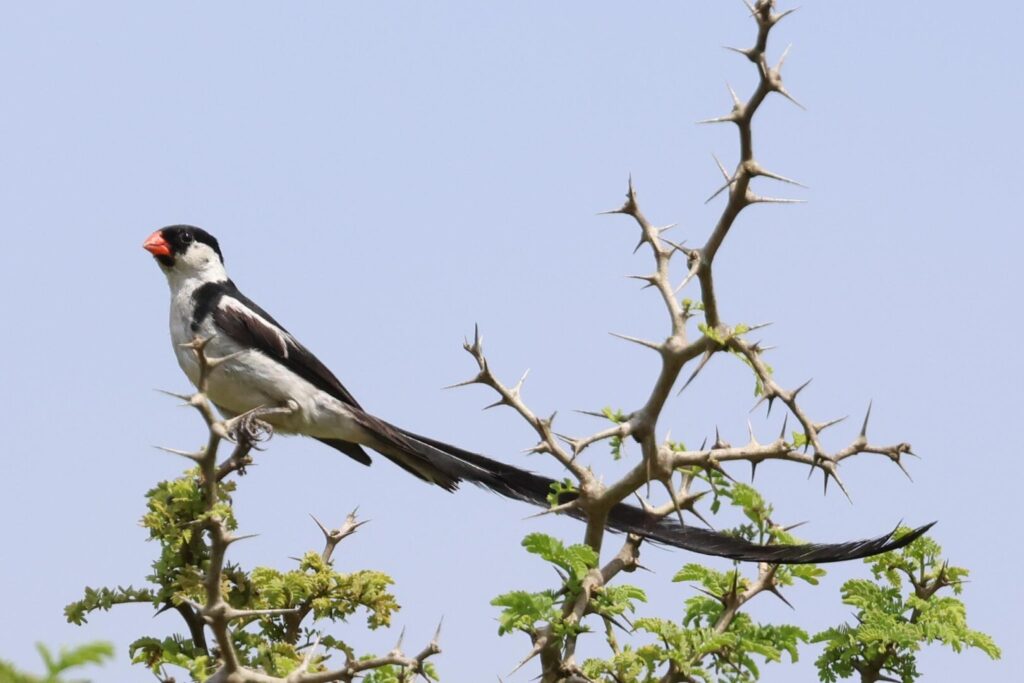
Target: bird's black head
{"points": [[185, 242]]}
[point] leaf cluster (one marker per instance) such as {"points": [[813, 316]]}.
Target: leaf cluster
{"points": [[691, 651], [59, 664], [528, 611], [898, 613], [712, 640], [276, 644], [615, 443]]}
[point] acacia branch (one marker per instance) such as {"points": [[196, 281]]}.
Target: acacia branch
{"points": [[659, 462], [549, 442], [247, 430]]}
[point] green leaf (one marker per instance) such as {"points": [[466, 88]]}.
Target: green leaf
{"points": [[104, 599], [67, 658], [82, 655], [523, 610], [691, 305], [615, 600], [711, 333], [575, 559], [752, 503], [615, 443], [559, 491], [676, 446]]}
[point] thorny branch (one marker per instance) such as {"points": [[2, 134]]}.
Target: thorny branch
{"points": [[660, 462], [215, 613]]}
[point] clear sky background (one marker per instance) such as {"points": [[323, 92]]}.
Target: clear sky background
{"points": [[384, 175]]}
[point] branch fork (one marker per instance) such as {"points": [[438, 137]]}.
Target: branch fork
{"points": [[660, 461]]}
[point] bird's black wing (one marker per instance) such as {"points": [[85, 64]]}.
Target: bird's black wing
{"points": [[247, 324], [241, 319]]}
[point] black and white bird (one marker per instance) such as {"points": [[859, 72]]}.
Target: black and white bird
{"points": [[267, 367]]}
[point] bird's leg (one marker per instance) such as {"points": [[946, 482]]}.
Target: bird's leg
{"points": [[247, 430], [250, 427]]}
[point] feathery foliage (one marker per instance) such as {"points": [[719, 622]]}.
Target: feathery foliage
{"points": [[898, 613], [59, 664]]}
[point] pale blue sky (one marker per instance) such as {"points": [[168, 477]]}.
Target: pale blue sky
{"points": [[384, 175]]}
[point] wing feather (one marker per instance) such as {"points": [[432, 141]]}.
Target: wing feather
{"points": [[247, 324]]}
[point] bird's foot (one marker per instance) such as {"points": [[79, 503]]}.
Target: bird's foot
{"points": [[250, 428]]}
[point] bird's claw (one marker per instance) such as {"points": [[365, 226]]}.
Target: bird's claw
{"points": [[248, 428]]}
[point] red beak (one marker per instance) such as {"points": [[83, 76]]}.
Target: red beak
{"points": [[156, 245]]}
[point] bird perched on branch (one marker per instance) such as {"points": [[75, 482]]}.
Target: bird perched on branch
{"points": [[266, 367]]}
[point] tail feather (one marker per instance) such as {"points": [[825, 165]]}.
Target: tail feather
{"points": [[447, 465], [352, 450]]}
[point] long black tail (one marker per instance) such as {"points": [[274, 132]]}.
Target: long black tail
{"points": [[447, 465]]}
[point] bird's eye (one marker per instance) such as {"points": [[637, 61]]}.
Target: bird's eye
{"points": [[186, 238]]}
